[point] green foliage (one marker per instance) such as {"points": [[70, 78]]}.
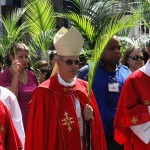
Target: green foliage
{"points": [[12, 32], [42, 23], [115, 25], [91, 18]]}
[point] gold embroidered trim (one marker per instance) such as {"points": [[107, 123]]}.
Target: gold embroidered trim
{"points": [[70, 89], [146, 102], [2, 129]]}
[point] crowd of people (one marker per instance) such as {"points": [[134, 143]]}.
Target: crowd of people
{"points": [[49, 109]]}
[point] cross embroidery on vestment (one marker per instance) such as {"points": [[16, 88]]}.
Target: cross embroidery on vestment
{"points": [[67, 121]]}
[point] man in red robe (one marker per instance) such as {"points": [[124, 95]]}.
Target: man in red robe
{"points": [[132, 121], [60, 108], [9, 139]]}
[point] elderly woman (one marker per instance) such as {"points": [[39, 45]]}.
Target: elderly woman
{"points": [[20, 81], [133, 58]]}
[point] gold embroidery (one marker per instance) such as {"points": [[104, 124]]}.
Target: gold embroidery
{"points": [[146, 102], [134, 120], [70, 89], [2, 129], [68, 121]]}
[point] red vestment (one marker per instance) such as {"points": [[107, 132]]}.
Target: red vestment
{"points": [[53, 123], [9, 139], [133, 110]]}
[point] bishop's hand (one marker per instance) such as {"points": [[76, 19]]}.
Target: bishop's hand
{"points": [[88, 112]]}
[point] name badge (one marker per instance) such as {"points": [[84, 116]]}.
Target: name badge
{"points": [[113, 87]]}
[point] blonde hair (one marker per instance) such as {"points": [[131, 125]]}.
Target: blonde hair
{"points": [[18, 47]]}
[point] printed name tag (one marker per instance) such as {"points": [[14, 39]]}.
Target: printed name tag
{"points": [[113, 87]]}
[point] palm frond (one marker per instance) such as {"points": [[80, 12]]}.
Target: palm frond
{"points": [[91, 18], [40, 17], [145, 9], [42, 40], [140, 41], [82, 22], [11, 21], [12, 33], [106, 35]]}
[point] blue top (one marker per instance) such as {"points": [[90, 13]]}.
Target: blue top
{"points": [[83, 73], [107, 98]]}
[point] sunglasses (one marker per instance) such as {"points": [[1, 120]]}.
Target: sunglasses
{"points": [[69, 62], [137, 57]]}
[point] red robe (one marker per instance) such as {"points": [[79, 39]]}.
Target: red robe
{"points": [[133, 110], [53, 124], [9, 139]]}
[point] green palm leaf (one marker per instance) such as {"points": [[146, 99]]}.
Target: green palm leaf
{"points": [[120, 22], [82, 22], [145, 9], [12, 33], [90, 17], [39, 16]]}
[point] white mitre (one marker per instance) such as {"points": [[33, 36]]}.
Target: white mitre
{"points": [[68, 42]]}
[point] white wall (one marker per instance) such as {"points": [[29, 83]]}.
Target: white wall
{"points": [[2, 2]]}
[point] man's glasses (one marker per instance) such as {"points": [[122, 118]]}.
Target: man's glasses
{"points": [[69, 62], [136, 57]]}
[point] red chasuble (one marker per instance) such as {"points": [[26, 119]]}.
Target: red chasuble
{"points": [[9, 139], [133, 110], [53, 123]]}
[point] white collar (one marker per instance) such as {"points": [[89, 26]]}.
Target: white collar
{"points": [[146, 68], [61, 81]]}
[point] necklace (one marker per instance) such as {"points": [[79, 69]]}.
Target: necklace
{"points": [[23, 78]]}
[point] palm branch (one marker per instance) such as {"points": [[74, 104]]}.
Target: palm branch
{"points": [[42, 23], [90, 17], [145, 9], [115, 25], [12, 32]]}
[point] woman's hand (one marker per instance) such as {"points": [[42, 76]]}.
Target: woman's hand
{"points": [[15, 67]]}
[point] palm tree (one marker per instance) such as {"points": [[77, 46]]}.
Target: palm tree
{"points": [[106, 35], [12, 32], [42, 24], [89, 17]]}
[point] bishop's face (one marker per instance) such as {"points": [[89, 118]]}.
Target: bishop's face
{"points": [[68, 67]]}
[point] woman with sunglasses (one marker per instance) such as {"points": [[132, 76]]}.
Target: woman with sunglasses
{"points": [[133, 58]]}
